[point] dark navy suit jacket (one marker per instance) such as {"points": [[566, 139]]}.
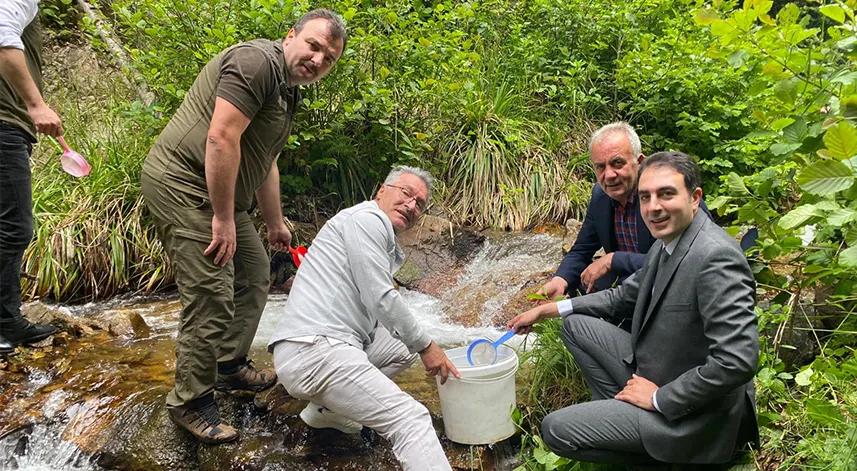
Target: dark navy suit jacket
{"points": [[597, 232]]}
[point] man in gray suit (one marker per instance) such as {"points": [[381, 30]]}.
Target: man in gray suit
{"points": [[679, 387]]}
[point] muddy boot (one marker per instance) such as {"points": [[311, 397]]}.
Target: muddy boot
{"points": [[18, 331], [244, 377], [203, 423], [6, 346]]}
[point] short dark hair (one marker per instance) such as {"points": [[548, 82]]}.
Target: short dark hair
{"points": [[678, 161], [334, 21]]}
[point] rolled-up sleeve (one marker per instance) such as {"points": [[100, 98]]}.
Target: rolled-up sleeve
{"points": [[367, 246], [15, 15]]}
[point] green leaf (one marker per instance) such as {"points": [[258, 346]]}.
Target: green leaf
{"points": [[841, 140], [834, 12], [851, 237], [848, 257], [786, 90], [784, 148], [841, 217], [718, 202], [823, 411], [797, 216], [788, 15], [781, 123], [767, 418], [826, 177], [845, 78], [737, 58], [803, 378], [736, 185], [705, 16], [796, 131]]}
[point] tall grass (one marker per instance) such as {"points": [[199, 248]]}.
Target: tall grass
{"points": [[552, 379], [92, 237], [505, 169]]}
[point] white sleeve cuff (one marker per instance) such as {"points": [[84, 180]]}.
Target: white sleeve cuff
{"points": [[564, 307], [655, 401]]}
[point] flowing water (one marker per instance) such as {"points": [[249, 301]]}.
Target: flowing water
{"points": [[95, 392]]}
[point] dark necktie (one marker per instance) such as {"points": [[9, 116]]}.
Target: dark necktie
{"points": [[665, 257]]}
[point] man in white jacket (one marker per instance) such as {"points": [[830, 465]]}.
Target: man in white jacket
{"points": [[345, 331]]}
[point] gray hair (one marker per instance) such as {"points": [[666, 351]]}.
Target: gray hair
{"points": [[335, 23], [400, 170], [615, 128]]}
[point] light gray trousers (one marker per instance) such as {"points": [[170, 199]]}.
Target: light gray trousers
{"points": [[356, 384], [604, 430]]}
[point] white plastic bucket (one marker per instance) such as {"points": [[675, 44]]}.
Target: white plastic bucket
{"points": [[477, 408]]}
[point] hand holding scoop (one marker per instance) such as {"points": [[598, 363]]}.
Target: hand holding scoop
{"points": [[484, 352], [73, 163]]}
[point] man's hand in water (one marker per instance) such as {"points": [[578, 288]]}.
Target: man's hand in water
{"points": [[436, 362]]}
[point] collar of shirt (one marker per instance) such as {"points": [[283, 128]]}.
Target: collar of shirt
{"points": [[673, 244], [632, 198]]}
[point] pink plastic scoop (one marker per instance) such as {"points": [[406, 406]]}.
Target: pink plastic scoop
{"points": [[73, 163]]}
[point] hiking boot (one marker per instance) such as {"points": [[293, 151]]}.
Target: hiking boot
{"points": [[20, 331], [6, 346], [317, 416], [246, 378], [204, 424]]}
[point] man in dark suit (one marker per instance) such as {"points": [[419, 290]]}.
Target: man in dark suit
{"points": [[613, 220], [679, 387]]}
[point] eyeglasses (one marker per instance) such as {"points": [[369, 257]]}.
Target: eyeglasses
{"points": [[421, 204]]}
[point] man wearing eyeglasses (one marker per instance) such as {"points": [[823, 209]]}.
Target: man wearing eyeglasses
{"points": [[345, 331]]}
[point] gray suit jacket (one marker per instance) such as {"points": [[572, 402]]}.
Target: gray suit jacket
{"points": [[694, 334]]}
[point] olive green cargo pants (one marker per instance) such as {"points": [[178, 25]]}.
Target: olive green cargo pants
{"points": [[221, 306]]}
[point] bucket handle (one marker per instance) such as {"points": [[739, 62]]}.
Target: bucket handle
{"points": [[487, 380]]}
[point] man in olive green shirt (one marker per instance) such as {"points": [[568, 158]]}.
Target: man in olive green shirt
{"points": [[217, 152]]}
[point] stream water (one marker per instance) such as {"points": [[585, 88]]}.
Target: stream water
{"points": [[96, 392]]}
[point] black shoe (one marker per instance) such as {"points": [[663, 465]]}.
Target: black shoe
{"points": [[20, 331], [6, 346]]}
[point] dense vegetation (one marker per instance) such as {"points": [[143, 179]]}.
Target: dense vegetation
{"points": [[497, 99]]}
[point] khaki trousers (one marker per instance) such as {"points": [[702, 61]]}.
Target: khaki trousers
{"points": [[221, 306], [356, 384]]}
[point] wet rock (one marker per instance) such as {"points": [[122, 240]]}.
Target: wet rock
{"points": [[435, 252], [467, 457], [43, 343], [39, 313], [572, 229], [409, 274], [127, 324], [272, 398], [152, 443]]}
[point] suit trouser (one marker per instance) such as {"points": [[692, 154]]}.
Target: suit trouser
{"points": [[356, 384], [604, 430], [16, 215], [221, 306]]}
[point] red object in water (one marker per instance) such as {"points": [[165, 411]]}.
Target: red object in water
{"points": [[298, 255]]}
